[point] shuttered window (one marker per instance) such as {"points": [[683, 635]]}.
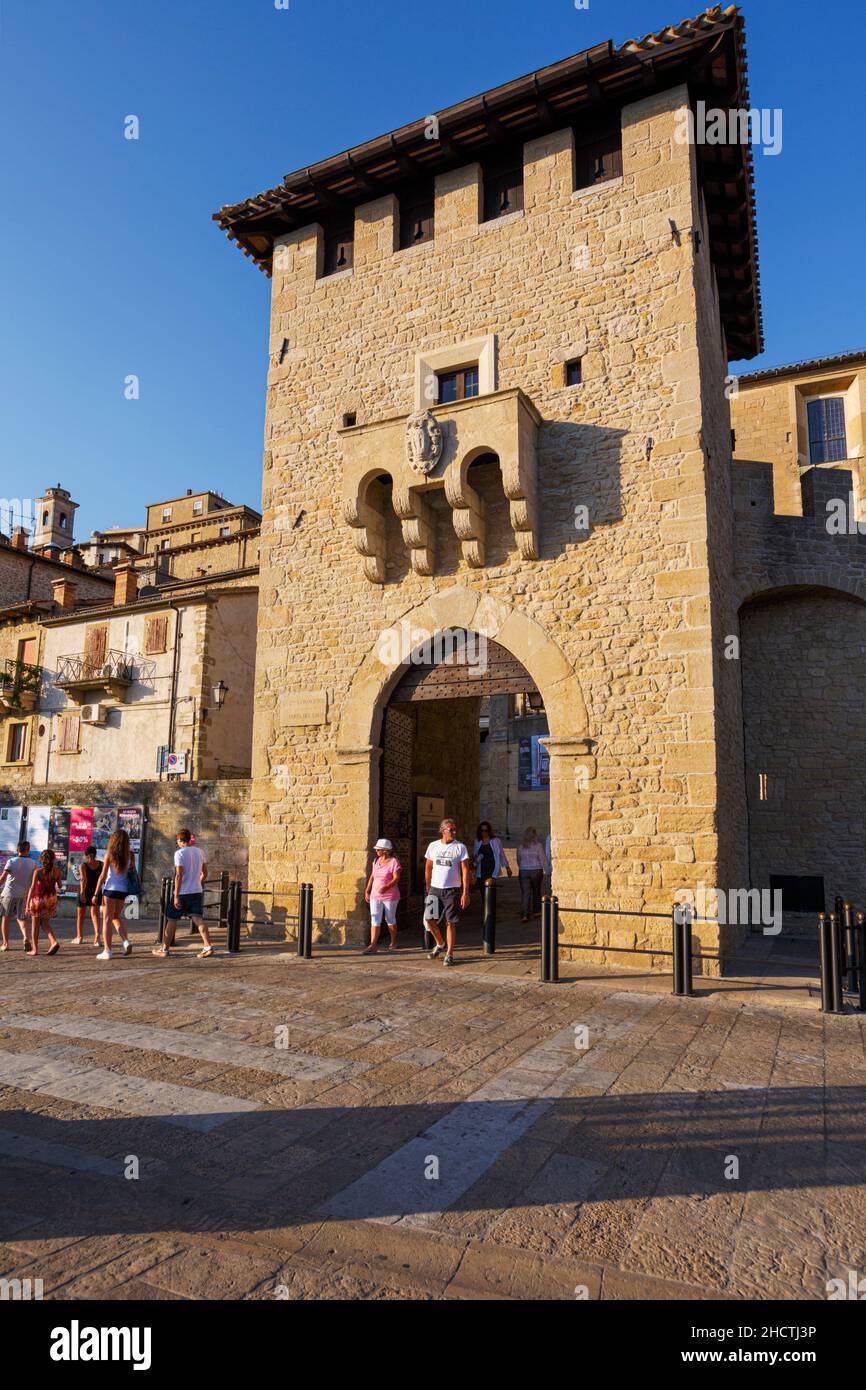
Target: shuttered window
{"points": [[416, 214], [155, 635], [70, 725], [827, 440], [17, 746], [95, 648], [503, 185], [339, 249], [597, 157]]}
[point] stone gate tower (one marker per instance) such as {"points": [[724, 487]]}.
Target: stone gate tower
{"points": [[496, 404]]}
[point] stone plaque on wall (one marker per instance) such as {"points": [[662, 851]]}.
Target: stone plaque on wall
{"points": [[304, 707]]}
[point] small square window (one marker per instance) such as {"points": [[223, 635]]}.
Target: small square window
{"points": [[225, 531], [416, 214], [339, 249], [164, 545], [350, 420], [166, 513], [196, 508], [827, 438], [461, 385], [573, 376], [503, 186], [597, 157]]}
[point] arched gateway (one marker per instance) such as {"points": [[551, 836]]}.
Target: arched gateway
{"points": [[503, 647]]}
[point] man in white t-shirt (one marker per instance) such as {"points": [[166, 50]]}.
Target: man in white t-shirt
{"points": [[14, 886], [446, 874], [190, 876]]}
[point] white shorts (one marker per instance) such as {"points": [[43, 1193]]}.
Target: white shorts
{"points": [[378, 906]]}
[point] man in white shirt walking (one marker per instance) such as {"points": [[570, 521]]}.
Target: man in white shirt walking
{"points": [[190, 876], [15, 883], [446, 874]]}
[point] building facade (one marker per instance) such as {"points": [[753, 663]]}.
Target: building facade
{"points": [[496, 404]]}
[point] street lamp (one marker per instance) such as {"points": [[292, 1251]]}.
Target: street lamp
{"points": [[218, 694]]}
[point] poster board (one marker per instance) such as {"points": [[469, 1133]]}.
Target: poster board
{"points": [[533, 764], [10, 832], [429, 813], [68, 830]]}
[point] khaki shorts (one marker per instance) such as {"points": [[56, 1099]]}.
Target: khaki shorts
{"points": [[11, 906]]}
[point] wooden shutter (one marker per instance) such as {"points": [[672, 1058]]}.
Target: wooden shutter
{"points": [[27, 651], [155, 635], [95, 647], [69, 729]]}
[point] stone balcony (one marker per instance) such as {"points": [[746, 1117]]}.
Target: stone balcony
{"points": [[20, 684], [435, 449]]}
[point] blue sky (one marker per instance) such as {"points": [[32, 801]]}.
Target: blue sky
{"points": [[111, 264]]}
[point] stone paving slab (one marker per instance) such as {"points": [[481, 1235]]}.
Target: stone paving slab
{"points": [[581, 1132]]}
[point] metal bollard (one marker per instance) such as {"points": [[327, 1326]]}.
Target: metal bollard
{"points": [[554, 940], [308, 931], [546, 916], [860, 942], [849, 947], [302, 917], [233, 926], [831, 965], [488, 928], [164, 892], [678, 987], [225, 899], [686, 928]]}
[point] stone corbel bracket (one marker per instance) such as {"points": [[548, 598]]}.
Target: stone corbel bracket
{"points": [[418, 525], [368, 532], [467, 514], [520, 482]]}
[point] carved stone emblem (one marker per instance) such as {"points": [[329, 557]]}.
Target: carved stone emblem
{"points": [[423, 441]]}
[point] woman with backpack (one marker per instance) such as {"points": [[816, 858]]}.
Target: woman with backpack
{"points": [[117, 881], [42, 902]]}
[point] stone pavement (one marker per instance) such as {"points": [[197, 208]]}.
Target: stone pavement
{"points": [[385, 1128]]}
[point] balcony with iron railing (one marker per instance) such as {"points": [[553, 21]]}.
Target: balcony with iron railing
{"points": [[79, 675], [20, 684]]}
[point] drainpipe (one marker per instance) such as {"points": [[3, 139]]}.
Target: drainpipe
{"points": [[174, 669]]}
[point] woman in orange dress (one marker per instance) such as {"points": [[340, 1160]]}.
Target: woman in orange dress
{"points": [[42, 902]]}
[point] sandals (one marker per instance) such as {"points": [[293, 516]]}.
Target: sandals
{"points": [[208, 951], [52, 950]]}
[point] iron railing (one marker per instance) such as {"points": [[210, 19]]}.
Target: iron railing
{"points": [[113, 666], [18, 679]]}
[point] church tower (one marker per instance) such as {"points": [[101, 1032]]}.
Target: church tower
{"points": [[55, 519]]}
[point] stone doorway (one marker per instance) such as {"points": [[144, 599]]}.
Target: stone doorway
{"points": [[464, 734]]}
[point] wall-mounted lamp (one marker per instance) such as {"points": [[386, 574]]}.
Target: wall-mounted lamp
{"points": [[218, 695]]}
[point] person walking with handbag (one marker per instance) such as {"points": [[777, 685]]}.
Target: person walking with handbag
{"points": [[42, 902], [489, 855], [190, 876], [383, 894], [118, 880], [532, 866]]}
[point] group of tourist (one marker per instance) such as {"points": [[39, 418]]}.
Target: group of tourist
{"points": [[30, 888], [449, 871]]}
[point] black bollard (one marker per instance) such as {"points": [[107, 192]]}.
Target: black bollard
{"points": [[849, 947], [164, 898], [488, 928], [553, 949], [678, 950], [860, 942], [546, 916], [308, 930], [302, 917], [233, 932], [831, 964], [686, 929]]}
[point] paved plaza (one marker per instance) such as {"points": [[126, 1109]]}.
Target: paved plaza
{"points": [[353, 1127]]}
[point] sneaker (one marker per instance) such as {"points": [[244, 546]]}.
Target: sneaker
{"points": [[104, 955], [4, 948], [437, 951], [127, 947], [449, 960], [78, 941]]}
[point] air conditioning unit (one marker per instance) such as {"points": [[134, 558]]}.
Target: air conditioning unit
{"points": [[94, 714]]}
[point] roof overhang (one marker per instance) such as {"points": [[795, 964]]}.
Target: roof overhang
{"points": [[706, 53]]}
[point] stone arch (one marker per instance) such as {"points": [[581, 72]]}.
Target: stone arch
{"points": [[780, 581], [361, 718]]}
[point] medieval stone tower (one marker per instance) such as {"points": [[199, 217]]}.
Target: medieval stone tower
{"points": [[497, 405], [55, 519]]}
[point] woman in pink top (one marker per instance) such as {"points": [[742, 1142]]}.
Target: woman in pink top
{"points": [[383, 894]]}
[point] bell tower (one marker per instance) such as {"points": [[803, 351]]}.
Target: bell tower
{"points": [[55, 519]]}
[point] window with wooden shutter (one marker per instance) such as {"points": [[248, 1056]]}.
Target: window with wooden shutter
{"points": [[16, 748], [70, 725], [503, 185], [339, 248], [155, 635], [416, 214], [95, 648], [597, 157]]}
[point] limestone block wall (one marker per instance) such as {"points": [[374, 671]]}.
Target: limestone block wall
{"points": [[612, 623], [23, 576], [803, 656]]}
